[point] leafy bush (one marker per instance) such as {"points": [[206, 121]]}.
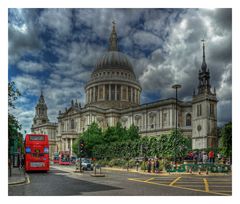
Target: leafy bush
{"points": [[117, 162], [102, 163], [143, 166]]}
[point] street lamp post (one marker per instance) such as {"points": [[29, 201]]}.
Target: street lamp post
{"points": [[176, 86]]}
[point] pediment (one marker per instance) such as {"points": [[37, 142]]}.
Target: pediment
{"points": [[71, 111]]}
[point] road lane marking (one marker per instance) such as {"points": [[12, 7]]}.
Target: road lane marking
{"points": [[206, 185], [173, 182], [28, 180], [150, 179], [179, 187]]}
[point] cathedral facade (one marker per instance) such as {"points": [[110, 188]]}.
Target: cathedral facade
{"points": [[113, 95]]}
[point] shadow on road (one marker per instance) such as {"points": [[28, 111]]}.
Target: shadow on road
{"points": [[57, 183]]}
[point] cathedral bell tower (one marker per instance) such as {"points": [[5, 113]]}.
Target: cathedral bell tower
{"points": [[41, 116], [204, 105]]}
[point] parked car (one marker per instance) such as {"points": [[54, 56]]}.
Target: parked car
{"points": [[85, 163], [73, 159]]}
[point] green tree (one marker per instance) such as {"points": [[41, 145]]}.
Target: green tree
{"points": [[91, 138], [115, 133], [177, 144], [13, 124], [132, 133], [226, 140]]}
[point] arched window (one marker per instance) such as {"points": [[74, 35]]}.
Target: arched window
{"points": [[188, 119]]}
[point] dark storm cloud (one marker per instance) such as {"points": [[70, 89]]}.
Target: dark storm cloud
{"points": [[223, 18], [22, 42], [22, 34]]}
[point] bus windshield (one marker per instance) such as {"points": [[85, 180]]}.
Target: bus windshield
{"points": [[36, 138]]}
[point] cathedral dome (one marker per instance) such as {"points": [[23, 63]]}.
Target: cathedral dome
{"points": [[114, 60], [113, 83]]}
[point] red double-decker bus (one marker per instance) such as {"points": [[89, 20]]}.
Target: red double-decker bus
{"points": [[36, 152], [64, 158]]}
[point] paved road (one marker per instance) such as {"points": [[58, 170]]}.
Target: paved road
{"points": [[63, 182]]}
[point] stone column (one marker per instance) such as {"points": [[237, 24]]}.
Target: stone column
{"points": [[115, 92], [131, 94], [134, 95], [121, 92], [71, 147], [90, 95], [98, 94], [103, 92], [94, 94], [127, 93], [66, 144], [109, 91], [139, 97]]}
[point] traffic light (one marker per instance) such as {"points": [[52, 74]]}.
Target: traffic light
{"points": [[81, 146]]}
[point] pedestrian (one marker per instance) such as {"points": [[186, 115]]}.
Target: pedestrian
{"points": [[22, 161], [205, 158], [190, 155], [149, 165], [211, 156], [195, 157], [219, 156], [200, 154], [137, 164], [153, 166], [157, 166]]}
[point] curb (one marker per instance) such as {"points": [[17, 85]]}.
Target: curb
{"points": [[166, 173], [20, 181]]}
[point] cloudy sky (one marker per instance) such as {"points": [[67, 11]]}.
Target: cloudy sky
{"points": [[56, 50]]}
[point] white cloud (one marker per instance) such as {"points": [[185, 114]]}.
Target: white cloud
{"points": [[28, 84], [146, 40], [31, 67], [58, 20]]}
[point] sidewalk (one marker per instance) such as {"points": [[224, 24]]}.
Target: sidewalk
{"points": [[18, 177], [71, 169]]}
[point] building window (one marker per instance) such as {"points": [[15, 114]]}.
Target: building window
{"points": [[124, 93], [91, 94], [211, 109], [164, 119], [118, 92], [100, 92], [129, 94], [62, 127], [199, 110], [107, 92], [96, 93], [188, 119], [112, 92], [72, 124]]}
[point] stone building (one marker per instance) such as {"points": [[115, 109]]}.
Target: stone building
{"points": [[113, 95], [42, 125]]}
